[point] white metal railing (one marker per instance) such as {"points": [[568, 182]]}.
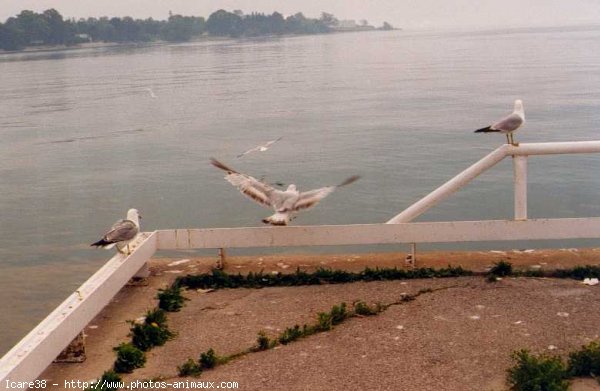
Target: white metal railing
{"points": [[28, 359]]}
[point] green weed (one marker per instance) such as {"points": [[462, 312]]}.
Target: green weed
{"points": [[128, 358], [585, 362], [170, 299], [540, 373], [189, 368]]}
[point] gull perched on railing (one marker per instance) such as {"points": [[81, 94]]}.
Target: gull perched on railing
{"points": [[508, 124], [285, 203], [121, 233], [260, 148]]}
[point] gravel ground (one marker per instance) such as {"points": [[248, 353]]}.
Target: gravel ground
{"points": [[457, 338]]}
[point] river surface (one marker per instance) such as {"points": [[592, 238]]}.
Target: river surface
{"points": [[82, 139]]}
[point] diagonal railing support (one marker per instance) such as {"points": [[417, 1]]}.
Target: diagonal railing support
{"points": [[519, 153], [450, 187]]}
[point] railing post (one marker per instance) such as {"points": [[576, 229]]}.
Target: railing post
{"points": [[520, 179]]}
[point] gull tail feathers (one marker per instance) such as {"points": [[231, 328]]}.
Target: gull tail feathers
{"points": [[103, 244], [350, 180], [487, 129], [277, 219], [222, 166]]}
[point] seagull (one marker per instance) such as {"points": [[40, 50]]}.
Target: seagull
{"points": [[260, 148], [121, 233], [285, 203], [152, 95], [508, 124]]}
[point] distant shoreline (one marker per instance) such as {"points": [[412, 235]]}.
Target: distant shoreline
{"points": [[97, 45]]}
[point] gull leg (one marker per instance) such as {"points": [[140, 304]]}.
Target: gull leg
{"points": [[512, 139], [508, 138]]}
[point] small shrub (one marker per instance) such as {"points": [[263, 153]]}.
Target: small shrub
{"points": [[189, 368], [153, 332], [533, 373], [128, 358], [501, 269], [263, 342], [323, 321], [170, 299], [338, 314], [585, 362], [363, 309], [157, 316], [109, 381], [209, 359], [291, 334]]}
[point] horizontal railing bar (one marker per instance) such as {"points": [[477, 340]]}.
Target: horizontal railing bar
{"points": [[553, 148], [335, 235]]}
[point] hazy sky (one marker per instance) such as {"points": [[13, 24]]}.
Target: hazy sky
{"points": [[410, 14]]}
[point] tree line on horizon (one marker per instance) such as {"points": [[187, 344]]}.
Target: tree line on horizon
{"points": [[29, 28]]}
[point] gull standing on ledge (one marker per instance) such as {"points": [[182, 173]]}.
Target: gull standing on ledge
{"points": [[508, 124], [260, 148], [121, 233], [285, 203]]}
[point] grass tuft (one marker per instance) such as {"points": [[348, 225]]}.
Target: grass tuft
{"points": [[363, 309], [585, 362], [153, 332], [541, 373], [128, 358], [501, 269], [209, 359], [170, 299], [189, 368], [109, 381]]}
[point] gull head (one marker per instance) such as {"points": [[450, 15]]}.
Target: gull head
{"points": [[134, 215], [519, 107]]}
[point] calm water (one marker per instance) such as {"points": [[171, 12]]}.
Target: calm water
{"points": [[81, 140]]}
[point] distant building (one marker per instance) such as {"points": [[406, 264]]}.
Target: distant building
{"points": [[347, 24], [351, 25], [84, 38]]}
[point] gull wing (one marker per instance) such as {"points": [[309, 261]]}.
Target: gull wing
{"points": [[122, 230], [248, 151], [509, 123], [269, 143], [249, 186], [311, 198]]}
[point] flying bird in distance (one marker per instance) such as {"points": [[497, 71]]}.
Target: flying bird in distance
{"points": [[285, 203], [509, 124], [260, 148], [121, 233], [152, 94]]}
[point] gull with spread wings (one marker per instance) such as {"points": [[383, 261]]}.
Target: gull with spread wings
{"points": [[121, 233], [285, 203], [260, 148]]}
